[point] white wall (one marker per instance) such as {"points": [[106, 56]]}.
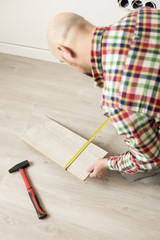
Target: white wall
{"points": [[23, 23]]}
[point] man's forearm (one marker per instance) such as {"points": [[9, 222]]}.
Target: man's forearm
{"points": [[125, 163]]}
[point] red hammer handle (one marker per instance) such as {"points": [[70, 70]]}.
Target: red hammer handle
{"points": [[41, 214]]}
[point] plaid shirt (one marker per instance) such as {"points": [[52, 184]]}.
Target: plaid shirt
{"points": [[125, 60]]}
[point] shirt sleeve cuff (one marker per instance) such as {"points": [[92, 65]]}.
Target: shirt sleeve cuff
{"points": [[112, 163]]}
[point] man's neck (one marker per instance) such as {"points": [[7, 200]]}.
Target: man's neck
{"points": [[83, 44]]}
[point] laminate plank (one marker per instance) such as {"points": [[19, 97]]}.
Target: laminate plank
{"points": [[60, 145]]}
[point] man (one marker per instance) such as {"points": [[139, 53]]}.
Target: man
{"points": [[124, 60]]}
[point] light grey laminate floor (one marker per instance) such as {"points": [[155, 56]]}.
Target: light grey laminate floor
{"points": [[99, 209]]}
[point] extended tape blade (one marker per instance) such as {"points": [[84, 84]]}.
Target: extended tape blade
{"points": [[86, 144]]}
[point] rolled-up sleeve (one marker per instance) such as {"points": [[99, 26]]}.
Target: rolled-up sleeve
{"points": [[142, 136]]}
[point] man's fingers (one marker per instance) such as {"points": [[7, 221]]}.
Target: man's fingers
{"points": [[93, 174], [90, 169], [98, 169]]}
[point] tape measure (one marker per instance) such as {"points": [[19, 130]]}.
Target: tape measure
{"points": [[86, 144]]}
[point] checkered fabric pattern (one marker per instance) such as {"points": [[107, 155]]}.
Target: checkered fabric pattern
{"points": [[125, 60]]}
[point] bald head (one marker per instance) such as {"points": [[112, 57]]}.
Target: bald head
{"points": [[63, 23], [68, 34], [61, 27]]}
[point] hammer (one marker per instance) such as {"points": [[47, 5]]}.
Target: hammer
{"points": [[20, 167]]}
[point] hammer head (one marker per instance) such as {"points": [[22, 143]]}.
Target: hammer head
{"points": [[19, 166]]}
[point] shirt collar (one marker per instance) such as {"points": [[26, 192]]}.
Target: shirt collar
{"points": [[96, 62]]}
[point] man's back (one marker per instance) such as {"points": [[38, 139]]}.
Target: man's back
{"points": [[131, 63]]}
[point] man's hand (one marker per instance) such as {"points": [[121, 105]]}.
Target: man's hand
{"points": [[98, 169]]}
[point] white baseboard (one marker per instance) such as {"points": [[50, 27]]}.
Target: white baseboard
{"points": [[26, 51]]}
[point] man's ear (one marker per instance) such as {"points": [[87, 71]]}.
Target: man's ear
{"points": [[66, 52]]}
